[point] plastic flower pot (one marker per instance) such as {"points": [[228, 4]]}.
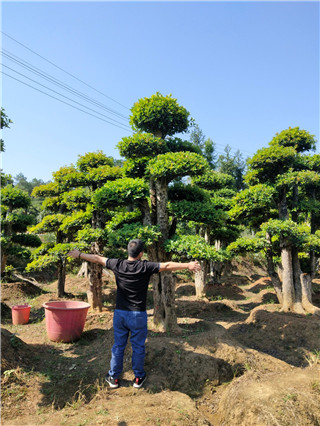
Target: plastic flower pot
{"points": [[20, 314], [65, 320]]}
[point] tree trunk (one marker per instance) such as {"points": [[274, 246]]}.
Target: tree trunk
{"points": [[94, 291], [201, 279], [287, 283], [61, 277], [83, 271], [4, 258], [275, 280], [298, 308], [163, 284]]}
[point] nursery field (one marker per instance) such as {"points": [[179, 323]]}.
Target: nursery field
{"points": [[237, 361]]}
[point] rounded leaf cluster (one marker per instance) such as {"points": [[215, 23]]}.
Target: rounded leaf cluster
{"points": [[268, 163], [213, 180], [121, 237], [300, 140], [93, 160], [14, 197], [200, 212], [120, 192], [141, 145], [193, 247], [246, 245], [122, 218], [160, 115], [180, 192], [176, 164]]}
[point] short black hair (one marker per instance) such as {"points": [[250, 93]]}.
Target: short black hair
{"points": [[135, 247]]}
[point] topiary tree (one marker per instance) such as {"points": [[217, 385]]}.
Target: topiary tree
{"points": [[282, 198], [160, 159], [15, 219], [72, 217]]}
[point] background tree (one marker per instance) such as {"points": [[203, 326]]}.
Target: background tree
{"points": [[285, 182], [74, 220], [5, 123], [233, 165], [15, 218]]}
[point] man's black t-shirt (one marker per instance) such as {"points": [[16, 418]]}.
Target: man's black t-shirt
{"points": [[132, 278]]}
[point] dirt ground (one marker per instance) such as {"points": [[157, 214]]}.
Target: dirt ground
{"points": [[238, 361]]}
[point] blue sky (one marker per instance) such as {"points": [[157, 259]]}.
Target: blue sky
{"points": [[244, 71]]}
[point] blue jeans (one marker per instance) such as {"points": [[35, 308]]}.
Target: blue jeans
{"points": [[124, 322]]}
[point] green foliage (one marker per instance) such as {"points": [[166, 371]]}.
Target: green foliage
{"points": [[14, 198], [255, 204], [49, 223], [159, 114], [141, 145], [245, 245], [41, 263], [49, 189], [213, 180], [121, 218], [121, 237], [27, 240], [93, 160], [17, 221], [120, 192], [89, 235], [300, 140], [179, 192], [288, 230], [233, 165], [135, 168], [76, 221], [5, 123], [100, 175], [5, 179], [179, 145], [200, 212], [21, 182], [176, 164], [68, 177], [268, 163], [194, 247], [77, 198]]}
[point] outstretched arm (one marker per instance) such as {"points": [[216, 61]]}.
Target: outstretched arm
{"points": [[175, 266], [93, 258]]}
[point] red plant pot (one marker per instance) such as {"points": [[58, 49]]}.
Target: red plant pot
{"points": [[65, 320], [20, 314]]}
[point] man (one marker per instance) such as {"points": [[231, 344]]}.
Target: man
{"points": [[132, 278]]}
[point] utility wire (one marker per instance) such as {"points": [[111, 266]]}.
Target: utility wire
{"points": [[57, 82], [61, 69], [66, 97], [60, 100]]}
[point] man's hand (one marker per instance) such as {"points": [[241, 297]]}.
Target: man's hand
{"points": [[74, 253], [194, 266]]}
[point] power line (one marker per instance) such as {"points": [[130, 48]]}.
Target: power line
{"points": [[61, 69], [60, 100], [66, 97], [57, 82]]}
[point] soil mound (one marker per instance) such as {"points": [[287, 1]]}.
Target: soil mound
{"points": [[14, 352], [285, 336], [19, 291], [288, 398]]}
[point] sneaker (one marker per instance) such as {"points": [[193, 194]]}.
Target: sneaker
{"points": [[113, 383], [138, 381]]}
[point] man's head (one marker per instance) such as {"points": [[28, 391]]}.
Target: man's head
{"points": [[135, 247]]}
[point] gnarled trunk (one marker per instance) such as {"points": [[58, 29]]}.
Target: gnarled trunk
{"points": [[61, 277], [94, 290], [163, 283], [201, 279]]}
